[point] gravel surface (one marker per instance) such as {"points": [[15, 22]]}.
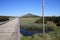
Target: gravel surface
{"points": [[10, 30]]}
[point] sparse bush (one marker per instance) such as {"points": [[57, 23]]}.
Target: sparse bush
{"points": [[58, 24], [40, 21], [3, 18], [37, 27]]}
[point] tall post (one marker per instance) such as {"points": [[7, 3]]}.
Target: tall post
{"points": [[43, 19]]}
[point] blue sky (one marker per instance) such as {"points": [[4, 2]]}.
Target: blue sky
{"points": [[22, 7]]}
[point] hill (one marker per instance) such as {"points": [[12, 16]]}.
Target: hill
{"points": [[29, 15]]}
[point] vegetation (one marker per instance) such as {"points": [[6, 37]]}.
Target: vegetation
{"points": [[4, 18], [41, 21], [51, 23], [56, 20], [29, 15]]}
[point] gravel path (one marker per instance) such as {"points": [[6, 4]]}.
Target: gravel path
{"points": [[10, 30]]}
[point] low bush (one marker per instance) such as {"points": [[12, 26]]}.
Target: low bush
{"points": [[3, 18], [40, 21], [37, 27], [58, 24]]}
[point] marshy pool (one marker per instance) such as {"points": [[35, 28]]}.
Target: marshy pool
{"points": [[31, 32]]}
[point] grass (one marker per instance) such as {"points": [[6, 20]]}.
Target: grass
{"points": [[56, 33], [33, 37], [28, 20], [53, 35]]}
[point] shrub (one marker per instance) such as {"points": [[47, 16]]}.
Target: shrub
{"points": [[40, 21], [37, 27], [58, 24], [3, 18]]}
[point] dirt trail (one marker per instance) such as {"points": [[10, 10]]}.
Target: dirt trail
{"points": [[9, 30]]}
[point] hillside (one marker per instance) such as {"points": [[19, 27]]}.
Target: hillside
{"points": [[29, 15]]}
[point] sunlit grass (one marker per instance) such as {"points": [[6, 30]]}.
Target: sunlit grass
{"points": [[53, 35]]}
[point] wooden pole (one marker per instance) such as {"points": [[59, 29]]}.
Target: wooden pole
{"points": [[43, 19]]}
